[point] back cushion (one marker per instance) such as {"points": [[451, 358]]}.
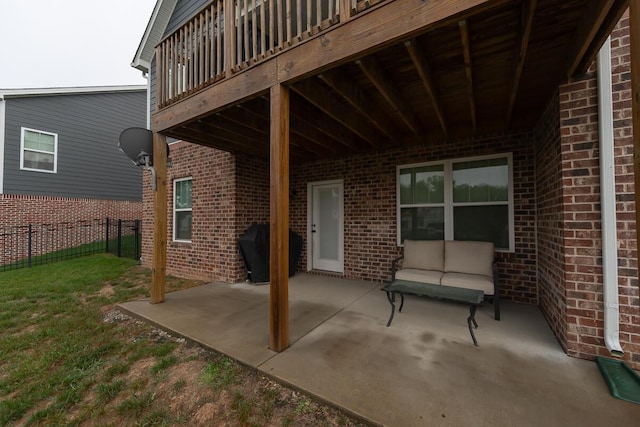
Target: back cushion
{"points": [[468, 257], [423, 254]]}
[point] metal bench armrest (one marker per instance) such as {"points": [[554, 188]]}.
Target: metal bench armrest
{"points": [[394, 267]]}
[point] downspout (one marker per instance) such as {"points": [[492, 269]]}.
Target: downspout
{"points": [[608, 204], [3, 106], [146, 76]]}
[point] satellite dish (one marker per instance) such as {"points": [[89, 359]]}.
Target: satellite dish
{"points": [[137, 144]]}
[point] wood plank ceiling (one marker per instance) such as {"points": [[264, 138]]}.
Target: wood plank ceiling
{"points": [[491, 72]]}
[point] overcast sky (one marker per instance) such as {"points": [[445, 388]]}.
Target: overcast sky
{"points": [[63, 43]]}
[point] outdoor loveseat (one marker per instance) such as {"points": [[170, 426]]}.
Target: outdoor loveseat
{"points": [[452, 264]]}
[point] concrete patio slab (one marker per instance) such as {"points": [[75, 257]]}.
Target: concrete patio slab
{"points": [[422, 370]]}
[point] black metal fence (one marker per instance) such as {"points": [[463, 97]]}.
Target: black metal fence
{"points": [[34, 244]]}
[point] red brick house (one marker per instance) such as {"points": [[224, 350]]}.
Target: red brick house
{"points": [[478, 120]]}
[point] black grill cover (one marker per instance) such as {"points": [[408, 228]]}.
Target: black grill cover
{"points": [[254, 248]]}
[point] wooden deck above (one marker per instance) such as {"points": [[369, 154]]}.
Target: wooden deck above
{"points": [[381, 74]]}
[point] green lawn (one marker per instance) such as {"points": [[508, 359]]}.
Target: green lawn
{"points": [[62, 363]]}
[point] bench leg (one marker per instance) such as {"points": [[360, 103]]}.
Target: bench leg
{"points": [[391, 296], [470, 319]]}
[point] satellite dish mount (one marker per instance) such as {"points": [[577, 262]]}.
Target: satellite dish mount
{"points": [[137, 144]]}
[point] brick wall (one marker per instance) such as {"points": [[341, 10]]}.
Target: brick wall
{"points": [[252, 189], [213, 212], [581, 209], [370, 207], [550, 228], [23, 210], [57, 223]]}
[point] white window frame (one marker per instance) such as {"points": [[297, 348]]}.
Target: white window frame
{"points": [[55, 150], [175, 182], [448, 196]]}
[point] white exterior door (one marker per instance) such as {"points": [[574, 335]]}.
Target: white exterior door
{"points": [[326, 247]]}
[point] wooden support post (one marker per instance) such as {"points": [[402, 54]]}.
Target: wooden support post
{"points": [[279, 230], [634, 29], [159, 263]]}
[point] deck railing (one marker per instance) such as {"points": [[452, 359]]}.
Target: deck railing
{"points": [[206, 49]]}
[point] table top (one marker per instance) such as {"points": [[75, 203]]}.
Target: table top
{"points": [[470, 296]]}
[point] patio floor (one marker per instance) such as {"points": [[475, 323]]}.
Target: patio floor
{"points": [[422, 370]]}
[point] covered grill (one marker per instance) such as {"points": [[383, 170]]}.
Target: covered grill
{"points": [[254, 248]]}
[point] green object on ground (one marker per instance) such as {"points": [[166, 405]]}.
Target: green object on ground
{"points": [[623, 382]]}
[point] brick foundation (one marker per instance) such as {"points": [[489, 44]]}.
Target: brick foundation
{"points": [[24, 210]]}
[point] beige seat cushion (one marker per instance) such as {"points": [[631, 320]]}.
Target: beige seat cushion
{"points": [[469, 281], [424, 254], [468, 257], [422, 276]]}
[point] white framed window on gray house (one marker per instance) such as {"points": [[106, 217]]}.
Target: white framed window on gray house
{"points": [[38, 150], [457, 199], [182, 209]]}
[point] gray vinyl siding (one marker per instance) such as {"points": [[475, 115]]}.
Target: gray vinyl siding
{"points": [[152, 86], [89, 164], [184, 10]]}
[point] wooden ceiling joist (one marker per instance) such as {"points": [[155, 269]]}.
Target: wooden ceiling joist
{"points": [[306, 121], [199, 134], [595, 14], [361, 102], [528, 12], [468, 68], [322, 99], [315, 136], [424, 71], [243, 117], [374, 71]]}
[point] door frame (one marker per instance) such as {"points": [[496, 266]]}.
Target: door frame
{"points": [[310, 186]]}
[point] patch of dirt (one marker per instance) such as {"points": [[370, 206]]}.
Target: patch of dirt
{"points": [[107, 291], [179, 390]]}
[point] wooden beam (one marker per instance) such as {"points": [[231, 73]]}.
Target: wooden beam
{"points": [[243, 86], [385, 26], [204, 133], [159, 260], [372, 68], [424, 71], [468, 68], [528, 12], [302, 121], [322, 99], [279, 220], [362, 102], [389, 24], [586, 30], [634, 28]]}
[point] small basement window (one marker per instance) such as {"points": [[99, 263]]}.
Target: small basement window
{"points": [[182, 210]]}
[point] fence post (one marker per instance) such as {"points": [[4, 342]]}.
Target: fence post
{"points": [[107, 235], [29, 249], [119, 238], [136, 245]]}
